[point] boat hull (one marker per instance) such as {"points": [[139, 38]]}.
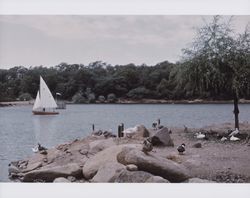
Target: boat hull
{"points": [[45, 113]]}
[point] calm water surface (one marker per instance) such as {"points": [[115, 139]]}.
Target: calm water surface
{"points": [[20, 130]]}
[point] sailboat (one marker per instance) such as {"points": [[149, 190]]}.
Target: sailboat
{"points": [[45, 103]]}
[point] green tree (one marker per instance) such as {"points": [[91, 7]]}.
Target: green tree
{"points": [[218, 61]]}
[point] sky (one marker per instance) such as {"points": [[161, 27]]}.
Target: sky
{"points": [[48, 40]]}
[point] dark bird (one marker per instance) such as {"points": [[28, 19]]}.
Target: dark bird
{"points": [[41, 148], [147, 146], [181, 149], [154, 125]]}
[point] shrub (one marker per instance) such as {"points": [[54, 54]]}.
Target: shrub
{"points": [[111, 98], [101, 99], [25, 97], [78, 98], [139, 93]]}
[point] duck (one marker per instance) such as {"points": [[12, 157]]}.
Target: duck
{"points": [[223, 139], [154, 125], [232, 138], [39, 148], [200, 135], [181, 148], [147, 146], [235, 132]]}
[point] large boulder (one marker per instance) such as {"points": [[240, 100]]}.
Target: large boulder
{"points": [[162, 138], [153, 164], [91, 167], [99, 145], [141, 132], [107, 171], [32, 166], [126, 176], [48, 174]]}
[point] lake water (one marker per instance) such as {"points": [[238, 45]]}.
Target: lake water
{"points": [[20, 130]]}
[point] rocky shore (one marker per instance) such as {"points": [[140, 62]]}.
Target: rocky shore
{"points": [[103, 157]]}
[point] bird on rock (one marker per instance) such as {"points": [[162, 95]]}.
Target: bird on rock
{"points": [[38, 148], [181, 149], [232, 138], [200, 135], [147, 146], [235, 132]]}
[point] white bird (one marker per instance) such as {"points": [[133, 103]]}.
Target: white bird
{"points": [[235, 132], [234, 138], [223, 139], [129, 131], [200, 135], [35, 149]]}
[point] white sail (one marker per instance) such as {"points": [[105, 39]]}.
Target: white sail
{"points": [[46, 98], [37, 103]]}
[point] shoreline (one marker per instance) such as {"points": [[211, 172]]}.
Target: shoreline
{"points": [[104, 157], [142, 101]]}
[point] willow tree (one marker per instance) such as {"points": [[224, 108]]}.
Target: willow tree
{"points": [[218, 62]]}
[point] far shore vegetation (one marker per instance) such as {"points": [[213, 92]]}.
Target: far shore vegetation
{"points": [[215, 66]]}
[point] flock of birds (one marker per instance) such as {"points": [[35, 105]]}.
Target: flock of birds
{"points": [[147, 144], [231, 135]]}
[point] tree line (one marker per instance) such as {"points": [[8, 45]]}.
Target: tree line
{"points": [[216, 66]]}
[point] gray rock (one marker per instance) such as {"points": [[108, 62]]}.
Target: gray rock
{"points": [[162, 138], [32, 167], [13, 169], [153, 164], [126, 176], [197, 145], [156, 179], [48, 174], [43, 152], [91, 167], [107, 171], [71, 178], [61, 180], [198, 180], [141, 132], [99, 145], [131, 167]]}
